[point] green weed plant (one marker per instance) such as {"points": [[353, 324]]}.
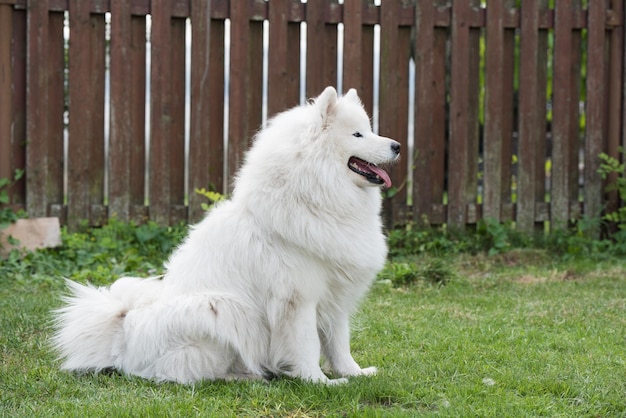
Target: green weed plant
{"points": [[612, 166], [8, 215]]}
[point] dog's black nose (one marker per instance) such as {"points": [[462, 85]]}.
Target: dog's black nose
{"points": [[395, 147]]}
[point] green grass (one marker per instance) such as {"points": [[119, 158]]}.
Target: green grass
{"points": [[514, 334]]}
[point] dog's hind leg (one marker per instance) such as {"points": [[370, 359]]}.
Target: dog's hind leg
{"points": [[188, 338]]}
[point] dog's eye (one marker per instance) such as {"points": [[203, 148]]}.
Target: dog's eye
{"points": [[357, 135]]}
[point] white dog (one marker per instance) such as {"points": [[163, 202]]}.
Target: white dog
{"points": [[266, 283]]}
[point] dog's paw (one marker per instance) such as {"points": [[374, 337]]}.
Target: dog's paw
{"points": [[369, 371], [340, 381], [357, 371]]}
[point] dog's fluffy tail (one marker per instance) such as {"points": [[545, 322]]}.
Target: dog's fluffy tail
{"points": [[90, 324]]}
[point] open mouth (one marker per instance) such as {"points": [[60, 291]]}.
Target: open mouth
{"points": [[370, 171]]}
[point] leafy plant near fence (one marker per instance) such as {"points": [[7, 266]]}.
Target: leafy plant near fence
{"points": [[612, 166], [212, 197], [8, 215]]}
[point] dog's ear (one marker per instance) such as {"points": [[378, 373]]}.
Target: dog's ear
{"points": [[326, 103], [352, 96]]}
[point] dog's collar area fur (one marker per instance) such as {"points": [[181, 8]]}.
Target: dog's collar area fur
{"points": [[370, 171]]}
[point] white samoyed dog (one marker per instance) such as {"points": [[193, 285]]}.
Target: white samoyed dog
{"points": [[266, 283]]}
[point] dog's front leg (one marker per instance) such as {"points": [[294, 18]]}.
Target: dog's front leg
{"points": [[336, 348], [296, 344]]}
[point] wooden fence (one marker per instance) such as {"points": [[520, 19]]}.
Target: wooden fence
{"points": [[505, 107]]}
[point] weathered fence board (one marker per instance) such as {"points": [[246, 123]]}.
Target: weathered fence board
{"points": [[86, 116], [216, 130], [203, 110], [498, 112], [532, 115], [394, 101], [616, 80], [37, 110], [512, 103], [120, 142], [283, 87], [245, 101], [358, 56], [161, 113], [595, 108], [127, 141], [321, 48], [463, 142], [563, 174], [6, 86], [424, 159], [56, 103]]}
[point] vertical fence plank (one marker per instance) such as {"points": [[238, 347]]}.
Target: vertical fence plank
{"points": [[86, 69], [255, 94], [596, 128], [618, 75], [56, 100], [138, 162], [494, 112], [565, 101], [120, 142], [245, 84], [200, 139], [367, 69], [617, 94], [430, 115], [440, 126], [498, 111], [284, 59], [6, 94], [400, 170], [127, 107], [394, 99], [97, 211], [176, 142], [473, 213], [18, 146], [439, 123], [239, 85], [353, 45], [216, 138], [321, 52], [576, 146], [424, 102], [389, 62], [541, 175], [458, 147], [508, 117], [44, 101], [532, 133], [278, 76], [461, 167], [292, 86], [37, 110], [120, 111], [161, 114], [358, 52]]}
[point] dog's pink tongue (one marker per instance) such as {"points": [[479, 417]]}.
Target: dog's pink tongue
{"points": [[382, 174]]}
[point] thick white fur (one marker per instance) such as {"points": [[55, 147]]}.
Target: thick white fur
{"points": [[267, 281]]}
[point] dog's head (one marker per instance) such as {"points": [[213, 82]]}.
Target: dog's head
{"points": [[346, 124]]}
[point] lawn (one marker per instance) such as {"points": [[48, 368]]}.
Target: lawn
{"points": [[514, 334]]}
